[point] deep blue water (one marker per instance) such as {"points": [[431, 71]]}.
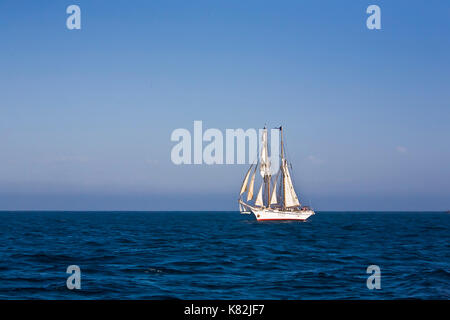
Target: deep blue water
{"points": [[223, 255]]}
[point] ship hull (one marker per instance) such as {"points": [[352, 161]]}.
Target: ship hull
{"points": [[279, 215]]}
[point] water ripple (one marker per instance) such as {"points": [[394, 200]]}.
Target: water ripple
{"points": [[223, 255]]}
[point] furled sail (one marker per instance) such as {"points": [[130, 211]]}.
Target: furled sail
{"points": [[250, 188], [244, 184], [265, 163], [259, 198], [290, 197]]}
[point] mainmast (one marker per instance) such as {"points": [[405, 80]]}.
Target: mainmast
{"points": [[282, 165], [268, 190]]}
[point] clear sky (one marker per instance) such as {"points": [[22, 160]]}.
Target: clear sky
{"points": [[86, 115]]}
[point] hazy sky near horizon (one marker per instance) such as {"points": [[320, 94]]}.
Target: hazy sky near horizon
{"points": [[86, 115]]}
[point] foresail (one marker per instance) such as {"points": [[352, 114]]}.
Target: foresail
{"points": [[259, 197], [273, 198], [244, 184], [290, 197], [250, 188]]}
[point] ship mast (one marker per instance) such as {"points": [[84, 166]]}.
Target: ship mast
{"points": [[282, 165], [268, 190], [265, 166]]}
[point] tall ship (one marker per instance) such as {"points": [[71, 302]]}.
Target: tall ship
{"points": [[276, 198]]}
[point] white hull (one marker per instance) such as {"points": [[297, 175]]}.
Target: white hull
{"points": [[275, 214]]}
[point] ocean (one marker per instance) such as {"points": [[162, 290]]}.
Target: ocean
{"points": [[224, 255]]}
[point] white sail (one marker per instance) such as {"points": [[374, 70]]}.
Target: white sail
{"points": [[273, 198], [244, 184], [290, 197], [259, 198], [250, 188], [265, 163]]}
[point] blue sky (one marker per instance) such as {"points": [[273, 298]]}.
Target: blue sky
{"points": [[86, 115]]}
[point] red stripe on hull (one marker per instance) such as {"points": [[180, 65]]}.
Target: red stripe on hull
{"points": [[281, 219]]}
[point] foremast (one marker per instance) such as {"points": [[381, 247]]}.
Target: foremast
{"points": [[265, 166]]}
